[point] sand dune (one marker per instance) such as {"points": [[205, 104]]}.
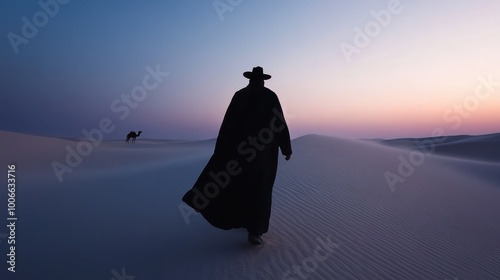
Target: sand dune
{"points": [[482, 147], [335, 216]]}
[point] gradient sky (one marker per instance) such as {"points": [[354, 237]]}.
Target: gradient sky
{"points": [[407, 81]]}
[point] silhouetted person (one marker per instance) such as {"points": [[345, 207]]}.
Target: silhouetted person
{"points": [[234, 189], [133, 135]]}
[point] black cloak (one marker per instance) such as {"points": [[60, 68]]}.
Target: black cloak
{"points": [[234, 190]]}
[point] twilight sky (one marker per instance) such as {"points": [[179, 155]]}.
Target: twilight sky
{"points": [[357, 68]]}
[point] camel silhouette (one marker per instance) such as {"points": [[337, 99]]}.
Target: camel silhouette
{"points": [[132, 135]]}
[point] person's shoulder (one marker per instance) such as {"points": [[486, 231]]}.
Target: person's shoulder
{"points": [[270, 92], [240, 92]]}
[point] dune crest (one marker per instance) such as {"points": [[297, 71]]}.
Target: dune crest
{"points": [[479, 148]]}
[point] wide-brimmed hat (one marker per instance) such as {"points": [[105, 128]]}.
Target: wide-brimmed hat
{"points": [[257, 74]]}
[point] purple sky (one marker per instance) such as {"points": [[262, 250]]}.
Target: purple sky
{"points": [[347, 68]]}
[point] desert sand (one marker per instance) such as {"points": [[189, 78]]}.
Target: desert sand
{"points": [[343, 209]]}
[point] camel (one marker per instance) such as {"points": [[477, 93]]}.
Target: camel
{"points": [[132, 135]]}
